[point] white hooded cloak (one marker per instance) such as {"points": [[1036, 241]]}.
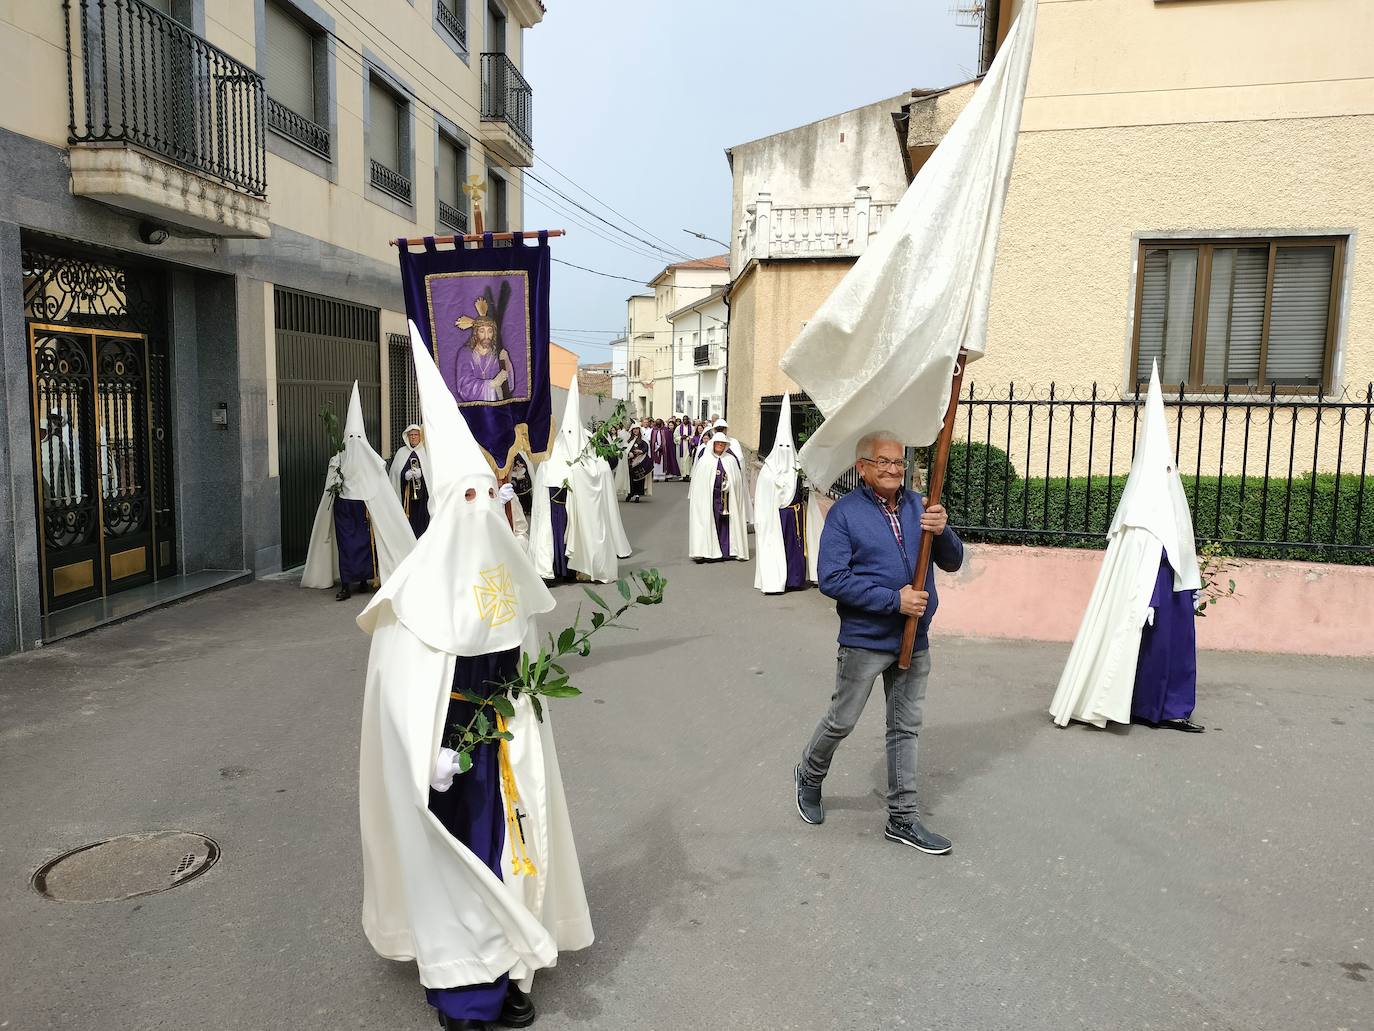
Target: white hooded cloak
{"points": [[775, 488], [1099, 678], [401, 461], [595, 538], [364, 479], [702, 539], [467, 589]]}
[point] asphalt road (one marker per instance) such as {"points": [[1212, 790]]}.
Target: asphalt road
{"points": [[1100, 879]]}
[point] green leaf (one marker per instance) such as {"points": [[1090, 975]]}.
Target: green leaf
{"points": [[598, 618], [595, 597], [557, 668], [585, 649], [538, 708], [566, 639], [564, 691], [464, 761], [623, 586], [524, 665], [503, 706], [1233, 586], [504, 735], [483, 724]]}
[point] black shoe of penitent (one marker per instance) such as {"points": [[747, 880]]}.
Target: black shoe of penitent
{"points": [[344, 593], [1186, 725], [518, 1010], [456, 1024]]}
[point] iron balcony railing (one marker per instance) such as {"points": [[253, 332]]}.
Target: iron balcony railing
{"points": [[453, 217], [390, 181], [507, 97], [298, 128], [454, 22], [138, 77]]}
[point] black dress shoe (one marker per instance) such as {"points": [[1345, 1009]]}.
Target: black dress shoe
{"points": [[461, 1024], [344, 593], [1186, 725], [916, 834], [518, 1009]]}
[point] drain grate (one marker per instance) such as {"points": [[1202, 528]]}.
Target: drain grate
{"points": [[126, 866]]}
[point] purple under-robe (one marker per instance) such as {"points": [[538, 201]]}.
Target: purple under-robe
{"points": [[670, 463], [415, 500], [475, 374], [719, 498], [1166, 672], [353, 538], [558, 523], [473, 812], [793, 519]]}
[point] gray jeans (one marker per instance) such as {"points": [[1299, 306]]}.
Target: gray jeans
{"points": [[857, 669]]}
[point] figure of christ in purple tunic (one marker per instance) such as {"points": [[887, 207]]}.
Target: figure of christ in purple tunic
{"points": [[472, 810], [793, 519], [353, 538], [1166, 672], [476, 375], [558, 521], [671, 469], [415, 498]]}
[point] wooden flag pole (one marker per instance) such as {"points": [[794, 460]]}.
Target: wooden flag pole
{"points": [[936, 488]]}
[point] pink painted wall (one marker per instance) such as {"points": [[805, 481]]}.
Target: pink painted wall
{"points": [[1040, 594]]}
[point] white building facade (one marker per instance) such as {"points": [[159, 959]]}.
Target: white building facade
{"points": [[700, 351]]}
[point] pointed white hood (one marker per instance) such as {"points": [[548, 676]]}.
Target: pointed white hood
{"points": [[468, 588], [1154, 499], [359, 465], [781, 464]]}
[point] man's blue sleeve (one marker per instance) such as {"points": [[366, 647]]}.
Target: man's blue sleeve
{"points": [[837, 579], [948, 551]]}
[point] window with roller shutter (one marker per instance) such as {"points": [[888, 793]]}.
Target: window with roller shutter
{"points": [[1244, 314]]}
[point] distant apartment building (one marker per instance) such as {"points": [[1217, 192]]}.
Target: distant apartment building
{"points": [[193, 261]]}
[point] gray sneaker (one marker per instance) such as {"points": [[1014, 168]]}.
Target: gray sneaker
{"points": [[808, 798], [914, 833]]}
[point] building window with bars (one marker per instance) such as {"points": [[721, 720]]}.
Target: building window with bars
{"points": [[1246, 314], [297, 107], [452, 16], [388, 150], [451, 169], [496, 215]]}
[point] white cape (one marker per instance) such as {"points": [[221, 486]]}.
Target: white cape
{"points": [[426, 896], [1152, 518], [879, 353], [702, 540], [399, 462], [775, 488], [595, 540], [365, 479]]}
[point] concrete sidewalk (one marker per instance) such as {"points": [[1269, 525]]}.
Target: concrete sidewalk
{"points": [[1100, 879]]}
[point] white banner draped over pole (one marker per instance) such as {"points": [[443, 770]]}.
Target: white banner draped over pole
{"points": [[880, 351]]}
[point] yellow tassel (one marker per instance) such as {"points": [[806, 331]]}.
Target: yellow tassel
{"points": [[520, 861]]}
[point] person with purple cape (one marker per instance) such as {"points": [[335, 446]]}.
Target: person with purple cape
{"points": [[408, 478], [672, 470], [1135, 656], [716, 527]]}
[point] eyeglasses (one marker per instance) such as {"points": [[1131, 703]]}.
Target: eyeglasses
{"points": [[886, 464]]}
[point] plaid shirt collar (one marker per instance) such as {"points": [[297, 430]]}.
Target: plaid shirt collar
{"points": [[894, 514]]}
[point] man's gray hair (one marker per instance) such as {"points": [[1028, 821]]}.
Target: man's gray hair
{"points": [[869, 442]]}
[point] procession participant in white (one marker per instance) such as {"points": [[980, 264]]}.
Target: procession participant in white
{"points": [[716, 529], [622, 467], [786, 525], [682, 447], [575, 522], [473, 876], [408, 477], [361, 533], [1136, 640]]}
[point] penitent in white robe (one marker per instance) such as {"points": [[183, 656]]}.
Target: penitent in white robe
{"points": [[702, 539], [467, 589]]}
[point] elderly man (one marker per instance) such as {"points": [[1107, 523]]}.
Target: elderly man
{"points": [[867, 562]]}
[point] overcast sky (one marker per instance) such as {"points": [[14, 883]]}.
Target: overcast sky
{"points": [[636, 102]]}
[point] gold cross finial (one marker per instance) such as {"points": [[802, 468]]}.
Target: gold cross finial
{"points": [[475, 187]]}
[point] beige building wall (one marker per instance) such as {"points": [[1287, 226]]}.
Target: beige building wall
{"points": [[769, 304]]}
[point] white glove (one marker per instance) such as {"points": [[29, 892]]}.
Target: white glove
{"points": [[506, 494], [413, 474], [1150, 617], [445, 769]]}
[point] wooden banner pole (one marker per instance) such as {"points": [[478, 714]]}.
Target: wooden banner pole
{"points": [[935, 489], [419, 241]]}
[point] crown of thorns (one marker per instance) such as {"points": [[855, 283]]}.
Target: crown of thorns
{"points": [[482, 319]]}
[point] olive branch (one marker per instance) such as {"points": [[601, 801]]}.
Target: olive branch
{"points": [[545, 676], [602, 442], [334, 438]]}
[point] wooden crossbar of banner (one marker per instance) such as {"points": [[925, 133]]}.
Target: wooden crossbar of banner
{"points": [[419, 241]]}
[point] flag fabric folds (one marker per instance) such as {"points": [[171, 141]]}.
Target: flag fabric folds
{"points": [[880, 351]]}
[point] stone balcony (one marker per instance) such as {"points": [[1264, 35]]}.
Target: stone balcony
{"points": [[814, 231]]}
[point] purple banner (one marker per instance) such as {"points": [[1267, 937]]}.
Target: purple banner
{"points": [[484, 313]]}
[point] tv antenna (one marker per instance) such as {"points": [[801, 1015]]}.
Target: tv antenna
{"points": [[968, 14]]}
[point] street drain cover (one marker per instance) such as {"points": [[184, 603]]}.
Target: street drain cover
{"points": [[126, 867]]}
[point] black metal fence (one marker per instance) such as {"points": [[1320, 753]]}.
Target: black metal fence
{"points": [[1266, 476], [136, 76], [507, 97]]}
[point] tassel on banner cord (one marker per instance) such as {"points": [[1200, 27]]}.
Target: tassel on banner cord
{"points": [[420, 241]]}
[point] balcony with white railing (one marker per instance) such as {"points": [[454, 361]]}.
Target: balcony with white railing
{"points": [[813, 231]]}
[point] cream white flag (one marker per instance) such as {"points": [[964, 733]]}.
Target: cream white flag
{"points": [[880, 351]]}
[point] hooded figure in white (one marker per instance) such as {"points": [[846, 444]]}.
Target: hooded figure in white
{"points": [[1135, 648], [716, 527], [575, 524], [480, 914], [408, 467], [787, 519], [361, 534]]}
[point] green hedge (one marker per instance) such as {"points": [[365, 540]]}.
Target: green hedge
{"points": [[1082, 505]]}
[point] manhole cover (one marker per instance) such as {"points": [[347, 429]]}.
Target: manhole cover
{"points": [[126, 867]]}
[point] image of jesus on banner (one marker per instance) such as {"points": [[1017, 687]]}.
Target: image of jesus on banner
{"points": [[481, 335]]}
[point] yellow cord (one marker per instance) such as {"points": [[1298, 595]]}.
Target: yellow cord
{"points": [[520, 861]]}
